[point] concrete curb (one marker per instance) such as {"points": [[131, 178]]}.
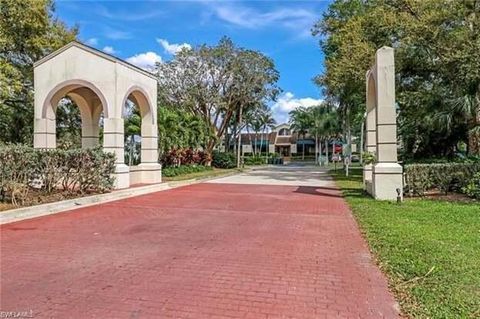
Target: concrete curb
{"points": [[14, 215]]}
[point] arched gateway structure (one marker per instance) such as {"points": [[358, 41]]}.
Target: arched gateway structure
{"points": [[98, 83], [383, 178]]}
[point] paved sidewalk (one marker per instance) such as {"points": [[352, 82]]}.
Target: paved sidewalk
{"points": [[231, 248]]}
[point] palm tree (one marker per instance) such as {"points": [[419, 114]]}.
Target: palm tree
{"points": [[267, 121], [132, 128], [300, 122], [317, 114], [331, 127]]}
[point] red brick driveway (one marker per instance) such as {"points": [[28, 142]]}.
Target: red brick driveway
{"points": [[211, 250]]}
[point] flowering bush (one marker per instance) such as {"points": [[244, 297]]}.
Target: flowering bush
{"points": [[185, 156]]}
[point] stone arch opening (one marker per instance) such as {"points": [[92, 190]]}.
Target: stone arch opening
{"points": [[90, 102], [144, 158]]}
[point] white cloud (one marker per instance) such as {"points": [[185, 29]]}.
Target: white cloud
{"points": [[108, 49], [115, 34], [130, 15], [298, 19], [92, 41], [287, 102], [172, 48], [145, 60]]}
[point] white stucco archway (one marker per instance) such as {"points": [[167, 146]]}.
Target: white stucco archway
{"points": [[98, 83], [383, 179]]}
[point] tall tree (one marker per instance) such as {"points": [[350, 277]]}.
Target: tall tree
{"points": [[301, 122], [28, 31], [438, 70], [217, 83], [180, 129]]}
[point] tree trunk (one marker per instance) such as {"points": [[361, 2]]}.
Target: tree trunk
{"points": [[316, 150], [326, 152], [239, 137], [266, 146], [303, 147], [234, 131], [349, 144]]}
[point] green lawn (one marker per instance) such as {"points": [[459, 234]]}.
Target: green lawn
{"points": [[215, 172], [430, 250]]}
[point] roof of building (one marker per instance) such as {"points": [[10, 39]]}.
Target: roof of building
{"points": [[95, 51], [248, 138]]}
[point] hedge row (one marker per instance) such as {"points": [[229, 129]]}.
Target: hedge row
{"points": [[254, 160], [224, 160], [420, 178], [23, 169], [184, 169]]}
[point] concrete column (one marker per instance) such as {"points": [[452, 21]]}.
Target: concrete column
{"points": [[271, 148], [387, 173], [90, 135], [149, 147], [44, 133], [371, 131], [113, 142], [91, 113], [149, 171]]}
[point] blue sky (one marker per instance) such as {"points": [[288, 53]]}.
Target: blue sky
{"points": [[144, 32]]}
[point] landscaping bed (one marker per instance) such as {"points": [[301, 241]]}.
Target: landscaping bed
{"points": [[211, 172], [38, 197], [428, 248], [34, 176]]}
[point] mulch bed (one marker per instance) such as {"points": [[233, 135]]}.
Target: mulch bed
{"points": [[37, 197], [450, 197]]}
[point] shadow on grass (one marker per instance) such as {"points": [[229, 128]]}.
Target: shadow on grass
{"points": [[319, 191], [351, 185]]}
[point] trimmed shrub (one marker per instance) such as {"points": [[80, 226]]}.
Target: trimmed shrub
{"points": [[223, 160], [184, 169], [420, 178], [23, 168], [472, 188], [254, 160]]}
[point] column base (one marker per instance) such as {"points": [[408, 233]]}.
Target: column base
{"points": [[367, 178], [122, 176], [146, 173], [387, 178]]}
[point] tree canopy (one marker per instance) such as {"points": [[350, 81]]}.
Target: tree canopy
{"points": [[436, 46], [29, 30], [217, 82]]}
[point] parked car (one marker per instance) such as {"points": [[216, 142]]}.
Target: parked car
{"points": [[355, 158], [336, 158]]}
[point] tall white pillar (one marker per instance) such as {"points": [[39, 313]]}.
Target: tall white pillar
{"points": [[149, 170], [90, 135], [371, 131], [387, 173], [113, 142], [44, 133]]}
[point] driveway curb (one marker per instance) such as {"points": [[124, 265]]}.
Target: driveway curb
{"points": [[23, 213]]}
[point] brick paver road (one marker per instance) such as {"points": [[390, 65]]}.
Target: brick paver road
{"points": [[228, 249]]}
